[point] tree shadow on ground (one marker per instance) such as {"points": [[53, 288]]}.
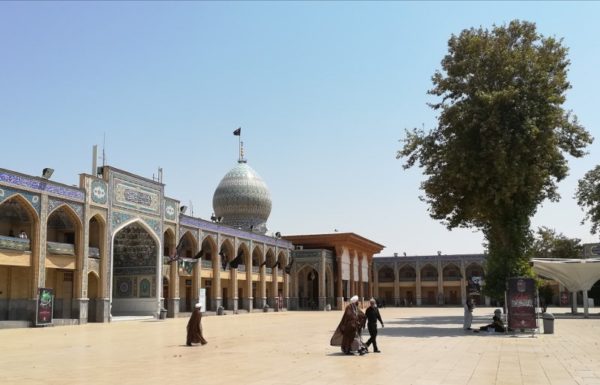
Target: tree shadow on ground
{"points": [[450, 326]]}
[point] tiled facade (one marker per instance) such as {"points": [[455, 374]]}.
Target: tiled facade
{"points": [[71, 248]]}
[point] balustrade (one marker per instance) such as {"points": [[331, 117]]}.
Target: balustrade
{"points": [[14, 243]]}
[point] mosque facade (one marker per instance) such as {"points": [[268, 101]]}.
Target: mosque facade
{"points": [[117, 246]]}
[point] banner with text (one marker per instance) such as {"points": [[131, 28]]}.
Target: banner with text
{"points": [[521, 303]]}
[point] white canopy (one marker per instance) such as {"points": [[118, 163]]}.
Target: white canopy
{"points": [[575, 274]]}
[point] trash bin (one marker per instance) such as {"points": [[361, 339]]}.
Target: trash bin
{"points": [[163, 314], [548, 323]]}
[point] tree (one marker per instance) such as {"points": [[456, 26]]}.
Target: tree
{"points": [[548, 244], [588, 197], [498, 149]]}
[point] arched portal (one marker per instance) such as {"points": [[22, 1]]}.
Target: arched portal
{"points": [[94, 296], [18, 235], [188, 285], [63, 236], [136, 259], [227, 253], [257, 282], [210, 261], [308, 288], [243, 293]]}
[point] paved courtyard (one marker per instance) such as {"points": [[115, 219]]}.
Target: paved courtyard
{"points": [[420, 346]]}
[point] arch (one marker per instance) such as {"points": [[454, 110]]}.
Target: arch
{"points": [[18, 215], [209, 246], [308, 287], [282, 259], [226, 252], [24, 202], [407, 273], [94, 295], [257, 258], [189, 246], [125, 303], [474, 269], [169, 244], [243, 248], [451, 272], [429, 272], [386, 274], [270, 258], [72, 214]]}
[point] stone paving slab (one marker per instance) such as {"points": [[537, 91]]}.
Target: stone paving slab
{"points": [[420, 346]]}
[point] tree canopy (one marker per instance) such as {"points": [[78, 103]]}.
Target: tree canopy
{"points": [[588, 197], [547, 243], [499, 146]]}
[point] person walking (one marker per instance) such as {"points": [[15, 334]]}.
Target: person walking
{"points": [[468, 314], [194, 327], [348, 331], [373, 316]]}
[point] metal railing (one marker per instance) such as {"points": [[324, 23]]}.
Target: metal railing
{"points": [[207, 264], [60, 248]]}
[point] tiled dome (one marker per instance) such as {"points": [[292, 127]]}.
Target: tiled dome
{"points": [[242, 199]]}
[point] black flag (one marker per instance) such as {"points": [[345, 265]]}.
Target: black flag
{"points": [[238, 132]]}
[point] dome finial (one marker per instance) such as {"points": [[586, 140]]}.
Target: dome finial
{"points": [[238, 133]]}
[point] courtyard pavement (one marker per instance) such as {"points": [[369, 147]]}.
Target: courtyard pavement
{"points": [[419, 346]]}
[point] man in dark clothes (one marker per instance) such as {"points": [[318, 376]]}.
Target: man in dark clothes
{"points": [[349, 327], [373, 315], [194, 328]]}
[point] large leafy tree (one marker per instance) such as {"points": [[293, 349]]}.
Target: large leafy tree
{"points": [[502, 134], [547, 243], [588, 197]]}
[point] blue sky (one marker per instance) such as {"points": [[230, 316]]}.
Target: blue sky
{"points": [[322, 91]]}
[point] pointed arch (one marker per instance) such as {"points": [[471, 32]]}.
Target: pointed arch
{"points": [[429, 272], [209, 245]]}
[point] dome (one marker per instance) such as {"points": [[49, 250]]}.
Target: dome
{"points": [[242, 199]]}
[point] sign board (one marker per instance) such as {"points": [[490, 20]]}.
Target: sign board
{"points": [[202, 298], [521, 303], [474, 285], [44, 307]]}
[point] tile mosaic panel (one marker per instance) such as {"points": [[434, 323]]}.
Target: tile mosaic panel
{"points": [[136, 197], [53, 204], [34, 199], [170, 210], [99, 191], [42, 185], [119, 217]]}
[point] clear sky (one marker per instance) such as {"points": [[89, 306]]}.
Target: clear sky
{"points": [[322, 91]]}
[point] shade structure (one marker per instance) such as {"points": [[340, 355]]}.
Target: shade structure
{"points": [[575, 274]]}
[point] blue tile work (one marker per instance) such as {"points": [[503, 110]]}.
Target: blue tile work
{"points": [[210, 226], [118, 218], [42, 185], [99, 192], [34, 199], [55, 203], [171, 210], [193, 231]]}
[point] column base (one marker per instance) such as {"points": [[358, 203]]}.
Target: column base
{"points": [[215, 303], [80, 310], [173, 308], [340, 303]]}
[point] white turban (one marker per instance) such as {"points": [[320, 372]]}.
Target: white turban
{"points": [[354, 299], [198, 306]]}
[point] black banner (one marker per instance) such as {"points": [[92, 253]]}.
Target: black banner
{"points": [[521, 303], [45, 307]]}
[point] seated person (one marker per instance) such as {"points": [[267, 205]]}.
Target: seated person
{"points": [[497, 325]]}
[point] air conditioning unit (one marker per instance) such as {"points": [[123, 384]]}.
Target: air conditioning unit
{"points": [[299, 247]]}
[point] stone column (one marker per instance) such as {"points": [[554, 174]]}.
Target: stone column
{"points": [[418, 282], [38, 258], [574, 302], [262, 287], [322, 283], [173, 308], [340, 290], [233, 295], [463, 282], [248, 301], [375, 284], [80, 300], [440, 299], [216, 300], [286, 286], [396, 284]]}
